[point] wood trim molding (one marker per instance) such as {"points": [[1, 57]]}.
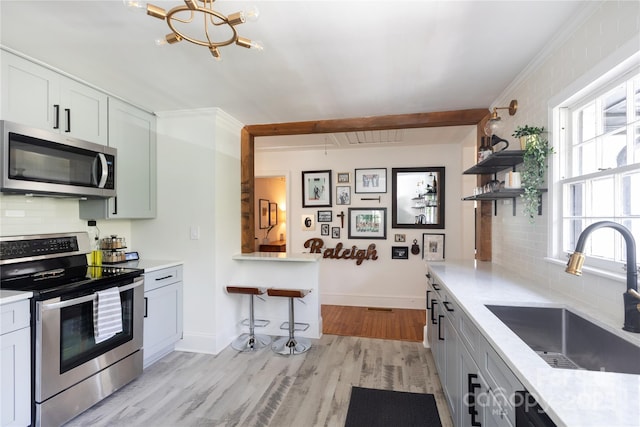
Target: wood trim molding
{"points": [[477, 116]]}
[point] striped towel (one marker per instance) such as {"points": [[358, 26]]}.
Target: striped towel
{"points": [[107, 314]]}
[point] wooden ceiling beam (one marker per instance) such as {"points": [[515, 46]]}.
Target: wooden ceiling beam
{"points": [[399, 121]]}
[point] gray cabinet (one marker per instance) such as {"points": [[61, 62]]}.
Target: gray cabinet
{"points": [[163, 312], [37, 96], [132, 133], [15, 364], [478, 385]]}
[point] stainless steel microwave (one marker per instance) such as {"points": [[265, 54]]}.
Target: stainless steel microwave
{"points": [[44, 163]]}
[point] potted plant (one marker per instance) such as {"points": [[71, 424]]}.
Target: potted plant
{"points": [[527, 134], [536, 151]]}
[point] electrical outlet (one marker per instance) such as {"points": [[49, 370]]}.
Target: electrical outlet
{"points": [[195, 232]]}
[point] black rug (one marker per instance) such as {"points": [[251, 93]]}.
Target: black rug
{"points": [[384, 408]]}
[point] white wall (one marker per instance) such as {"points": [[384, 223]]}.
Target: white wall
{"points": [[198, 187], [21, 215], [595, 45], [384, 282]]}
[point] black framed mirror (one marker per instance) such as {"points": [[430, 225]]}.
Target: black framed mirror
{"points": [[418, 197]]}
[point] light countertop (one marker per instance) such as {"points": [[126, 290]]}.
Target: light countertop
{"points": [[149, 265], [577, 398], [278, 256], [7, 296]]}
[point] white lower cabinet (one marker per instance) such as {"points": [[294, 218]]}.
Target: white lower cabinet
{"points": [[163, 312], [15, 364], [478, 385]]}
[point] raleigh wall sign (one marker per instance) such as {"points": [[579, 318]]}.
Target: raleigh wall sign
{"points": [[316, 246]]}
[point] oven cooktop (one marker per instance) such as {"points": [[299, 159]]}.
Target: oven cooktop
{"points": [[55, 264]]}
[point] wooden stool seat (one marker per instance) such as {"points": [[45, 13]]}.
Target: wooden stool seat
{"points": [[289, 293], [290, 345], [246, 290], [250, 341]]}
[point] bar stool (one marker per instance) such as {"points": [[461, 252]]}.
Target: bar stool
{"points": [[250, 341], [290, 345]]}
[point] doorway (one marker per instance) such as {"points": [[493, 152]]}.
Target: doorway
{"points": [[271, 213]]}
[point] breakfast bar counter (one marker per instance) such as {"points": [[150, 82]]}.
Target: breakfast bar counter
{"points": [[284, 270]]}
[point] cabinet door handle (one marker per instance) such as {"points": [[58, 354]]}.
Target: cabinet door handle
{"points": [[146, 306], [472, 399], [428, 292], [56, 116], [67, 113], [436, 287], [115, 206], [428, 275], [446, 305], [440, 337], [433, 311]]}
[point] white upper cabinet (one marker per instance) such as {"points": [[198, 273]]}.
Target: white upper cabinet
{"points": [[36, 96], [132, 133]]}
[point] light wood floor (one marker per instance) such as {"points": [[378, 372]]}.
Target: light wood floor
{"points": [[266, 389], [390, 324]]}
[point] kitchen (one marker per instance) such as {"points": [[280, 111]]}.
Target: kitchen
{"points": [[182, 139]]}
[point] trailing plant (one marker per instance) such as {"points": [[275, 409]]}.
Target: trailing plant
{"points": [[534, 171]]}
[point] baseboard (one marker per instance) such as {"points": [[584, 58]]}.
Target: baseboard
{"points": [[199, 343], [425, 340], [417, 302]]}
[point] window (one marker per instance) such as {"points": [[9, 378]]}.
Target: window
{"points": [[600, 169]]}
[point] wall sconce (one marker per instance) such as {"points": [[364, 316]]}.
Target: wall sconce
{"points": [[494, 124]]}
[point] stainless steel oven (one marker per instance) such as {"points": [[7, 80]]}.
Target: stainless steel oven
{"points": [[72, 369]]}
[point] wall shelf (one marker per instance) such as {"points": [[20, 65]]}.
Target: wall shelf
{"points": [[493, 164], [497, 162]]}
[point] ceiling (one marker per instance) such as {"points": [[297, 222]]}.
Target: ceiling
{"points": [[322, 59]]}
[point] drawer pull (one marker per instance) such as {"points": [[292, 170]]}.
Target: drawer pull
{"points": [[433, 311], [163, 278], [472, 399], [447, 306]]}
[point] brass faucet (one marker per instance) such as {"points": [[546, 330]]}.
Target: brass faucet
{"points": [[631, 297]]}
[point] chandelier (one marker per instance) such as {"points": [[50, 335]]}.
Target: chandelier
{"points": [[217, 31]]}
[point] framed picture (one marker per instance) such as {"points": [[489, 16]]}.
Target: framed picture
{"points": [[308, 222], [367, 223], [273, 214], [335, 232], [316, 189], [400, 238], [371, 180], [343, 177], [433, 247], [325, 216], [417, 197], [343, 195], [399, 252], [263, 211], [324, 229]]}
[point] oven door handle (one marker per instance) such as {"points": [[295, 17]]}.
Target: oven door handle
{"points": [[68, 303]]}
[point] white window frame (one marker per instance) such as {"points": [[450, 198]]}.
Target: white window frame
{"points": [[599, 81]]}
